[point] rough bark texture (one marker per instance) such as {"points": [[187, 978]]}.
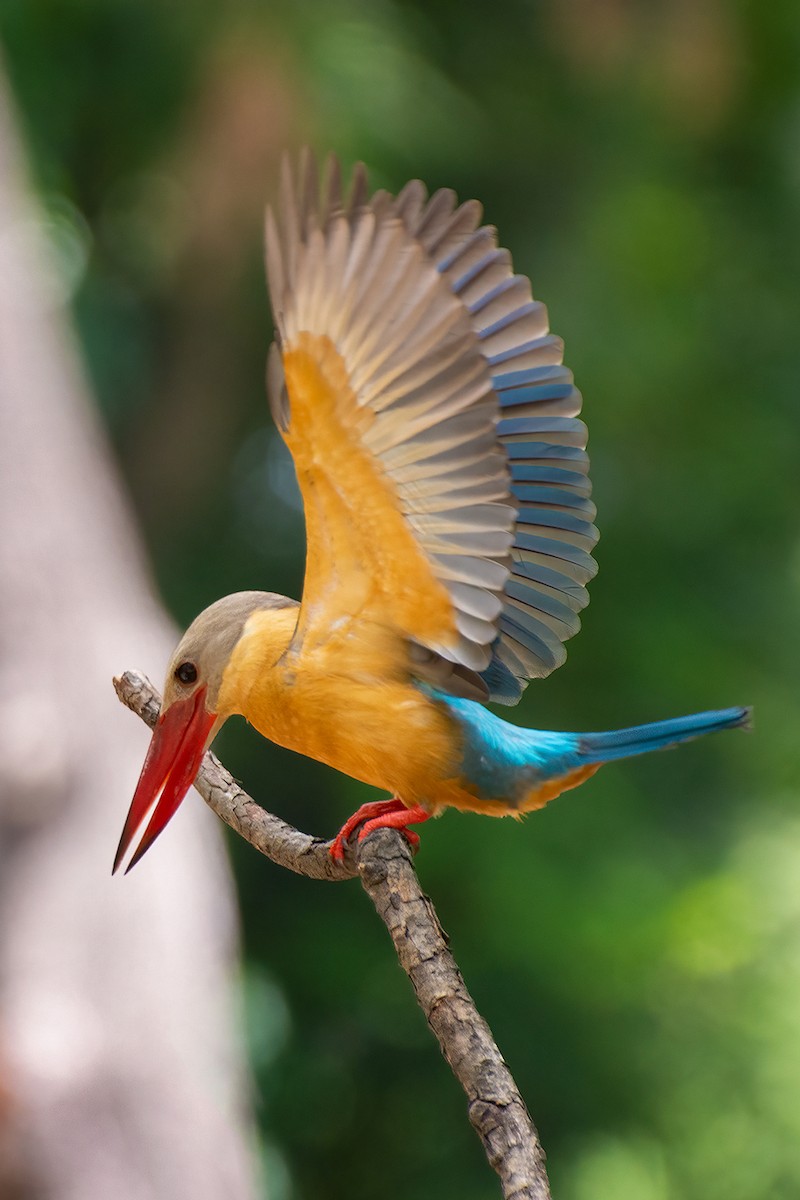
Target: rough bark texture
{"points": [[120, 1073], [384, 864], [496, 1109]]}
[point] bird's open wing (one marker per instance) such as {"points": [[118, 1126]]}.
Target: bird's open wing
{"points": [[403, 338]]}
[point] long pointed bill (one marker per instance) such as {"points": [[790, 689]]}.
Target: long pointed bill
{"points": [[173, 759]]}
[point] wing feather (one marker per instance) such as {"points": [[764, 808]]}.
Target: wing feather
{"points": [[391, 419], [544, 442], [434, 429]]}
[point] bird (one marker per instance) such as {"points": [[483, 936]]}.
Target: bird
{"points": [[449, 526]]}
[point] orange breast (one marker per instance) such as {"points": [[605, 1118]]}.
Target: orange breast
{"points": [[348, 703]]}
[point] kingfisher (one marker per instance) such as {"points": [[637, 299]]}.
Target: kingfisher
{"points": [[444, 476]]}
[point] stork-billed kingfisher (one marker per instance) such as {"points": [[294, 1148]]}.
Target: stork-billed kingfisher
{"points": [[443, 470]]}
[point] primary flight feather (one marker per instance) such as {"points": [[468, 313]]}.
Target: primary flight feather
{"points": [[443, 470]]}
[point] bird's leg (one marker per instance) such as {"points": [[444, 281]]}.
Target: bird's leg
{"points": [[367, 812], [398, 818], [379, 814]]}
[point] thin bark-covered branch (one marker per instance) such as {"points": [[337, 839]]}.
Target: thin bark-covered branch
{"points": [[383, 862]]}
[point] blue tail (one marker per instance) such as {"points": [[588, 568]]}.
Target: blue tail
{"points": [[506, 763], [621, 743]]}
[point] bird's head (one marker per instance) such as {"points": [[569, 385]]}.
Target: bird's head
{"points": [[196, 703]]}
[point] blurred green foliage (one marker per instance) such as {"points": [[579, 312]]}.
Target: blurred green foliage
{"points": [[636, 946]]}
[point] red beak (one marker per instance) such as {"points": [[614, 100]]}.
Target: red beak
{"points": [[173, 759]]}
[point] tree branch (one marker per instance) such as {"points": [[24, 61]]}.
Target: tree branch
{"points": [[384, 865]]}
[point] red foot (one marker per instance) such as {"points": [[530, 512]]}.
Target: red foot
{"points": [[380, 814]]}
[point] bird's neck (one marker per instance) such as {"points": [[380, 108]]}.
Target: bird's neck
{"points": [[253, 665], [339, 701]]}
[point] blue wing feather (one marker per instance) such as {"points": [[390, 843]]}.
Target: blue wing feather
{"points": [[543, 440]]}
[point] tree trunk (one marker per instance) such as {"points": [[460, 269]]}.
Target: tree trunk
{"points": [[120, 1071]]}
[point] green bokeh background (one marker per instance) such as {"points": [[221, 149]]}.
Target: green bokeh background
{"points": [[635, 946]]}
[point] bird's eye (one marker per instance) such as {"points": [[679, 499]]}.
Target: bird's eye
{"points": [[186, 672]]}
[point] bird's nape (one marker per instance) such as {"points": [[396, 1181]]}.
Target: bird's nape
{"points": [[182, 733]]}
